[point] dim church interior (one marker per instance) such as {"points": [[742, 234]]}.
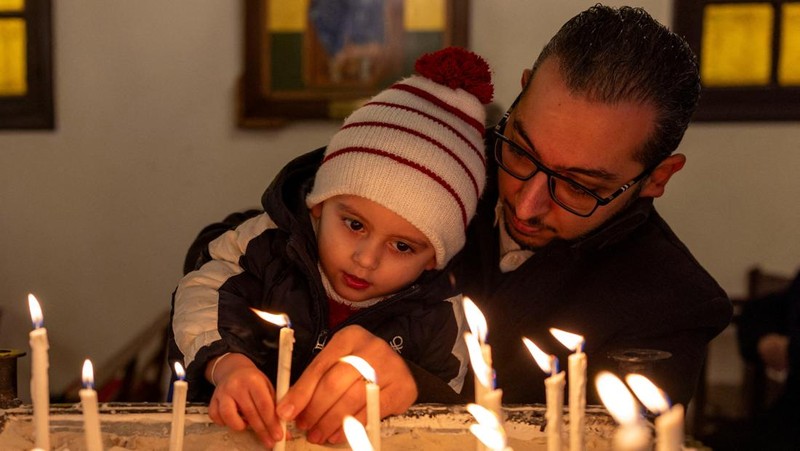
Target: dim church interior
{"points": [[730, 392]]}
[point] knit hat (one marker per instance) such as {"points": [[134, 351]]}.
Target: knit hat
{"points": [[417, 149]]}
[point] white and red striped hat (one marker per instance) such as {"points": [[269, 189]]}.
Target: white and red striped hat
{"points": [[417, 148]]}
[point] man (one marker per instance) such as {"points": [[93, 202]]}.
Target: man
{"points": [[566, 235]]}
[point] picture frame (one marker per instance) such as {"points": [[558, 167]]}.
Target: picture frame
{"points": [[321, 60]]}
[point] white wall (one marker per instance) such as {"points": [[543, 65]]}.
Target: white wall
{"points": [[97, 215]]}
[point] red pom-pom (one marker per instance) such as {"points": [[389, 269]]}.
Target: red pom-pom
{"points": [[456, 68]]}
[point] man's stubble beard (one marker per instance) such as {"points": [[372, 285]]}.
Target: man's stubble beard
{"points": [[536, 221]]}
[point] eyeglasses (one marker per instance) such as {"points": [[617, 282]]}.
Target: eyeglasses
{"points": [[567, 193]]}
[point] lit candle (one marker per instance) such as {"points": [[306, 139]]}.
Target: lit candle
{"points": [[554, 386], [356, 435], [486, 394], [285, 349], [179, 389], [631, 435], [91, 415], [577, 386], [669, 422], [373, 398], [479, 329], [40, 384], [489, 429]]}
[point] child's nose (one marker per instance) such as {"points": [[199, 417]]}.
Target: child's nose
{"points": [[367, 254]]}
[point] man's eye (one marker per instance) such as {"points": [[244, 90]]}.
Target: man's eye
{"points": [[353, 224], [518, 152]]}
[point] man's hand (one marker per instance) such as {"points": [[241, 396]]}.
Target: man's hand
{"points": [[774, 351], [244, 396], [328, 389]]}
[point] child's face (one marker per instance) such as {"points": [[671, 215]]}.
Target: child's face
{"points": [[367, 250]]}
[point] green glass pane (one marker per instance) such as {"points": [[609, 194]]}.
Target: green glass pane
{"points": [[286, 68], [13, 59], [12, 5]]}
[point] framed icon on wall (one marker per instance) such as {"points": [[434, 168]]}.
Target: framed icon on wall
{"points": [[322, 59]]}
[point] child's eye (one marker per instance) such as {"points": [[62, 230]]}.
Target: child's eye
{"points": [[353, 224], [403, 247]]}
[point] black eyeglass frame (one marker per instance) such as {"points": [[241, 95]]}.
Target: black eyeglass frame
{"points": [[498, 130]]}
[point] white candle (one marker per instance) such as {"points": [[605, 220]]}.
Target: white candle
{"points": [[179, 389], [554, 386], [632, 435], [669, 422], [479, 329], [373, 398], [285, 349], [577, 387], [669, 429], [554, 393], [356, 435], [91, 414], [40, 384]]}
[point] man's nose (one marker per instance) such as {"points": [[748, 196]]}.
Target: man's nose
{"points": [[533, 197]]}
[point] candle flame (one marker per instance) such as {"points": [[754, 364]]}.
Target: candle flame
{"points": [[648, 393], [179, 371], [484, 416], [87, 374], [494, 439], [479, 366], [542, 359], [475, 320], [278, 319], [366, 370], [616, 397], [356, 434], [36, 311], [573, 342]]}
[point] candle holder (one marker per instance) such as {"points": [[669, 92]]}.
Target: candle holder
{"points": [[8, 378], [638, 360]]}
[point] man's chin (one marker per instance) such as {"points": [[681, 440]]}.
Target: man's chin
{"points": [[527, 241]]}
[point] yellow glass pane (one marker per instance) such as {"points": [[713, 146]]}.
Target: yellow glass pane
{"points": [[12, 5], [287, 16], [789, 57], [424, 15], [13, 58], [736, 46]]}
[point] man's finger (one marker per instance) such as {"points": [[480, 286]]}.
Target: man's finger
{"points": [[353, 400], [335, 384]]}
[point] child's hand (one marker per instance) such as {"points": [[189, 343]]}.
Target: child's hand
{"points": [[244, 396], [328, 390]]}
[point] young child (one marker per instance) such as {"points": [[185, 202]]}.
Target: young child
{"points": [[351, 234]]}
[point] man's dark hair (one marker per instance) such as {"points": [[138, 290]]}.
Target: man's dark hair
{"points": [[613, 55]]}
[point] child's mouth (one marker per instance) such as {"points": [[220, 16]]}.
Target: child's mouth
{"points": [[355, 282]]}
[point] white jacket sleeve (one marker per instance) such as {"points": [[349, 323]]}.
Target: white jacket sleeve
{"points": [[196, 306]]}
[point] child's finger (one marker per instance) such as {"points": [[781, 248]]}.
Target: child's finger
{"points": [[229, 413]]}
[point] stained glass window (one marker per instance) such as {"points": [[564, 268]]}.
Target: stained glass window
{"points": [[749, 53], [26, 99]]}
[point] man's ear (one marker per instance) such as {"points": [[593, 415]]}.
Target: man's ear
{"points": [[655, 183], [526, 77]]}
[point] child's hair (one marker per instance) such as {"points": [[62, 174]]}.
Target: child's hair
{"points": [[417, 149]]}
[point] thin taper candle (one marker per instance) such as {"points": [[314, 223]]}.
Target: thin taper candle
{"points": [[179, 389], [91, 414], [286, 347], [40, 383]]}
